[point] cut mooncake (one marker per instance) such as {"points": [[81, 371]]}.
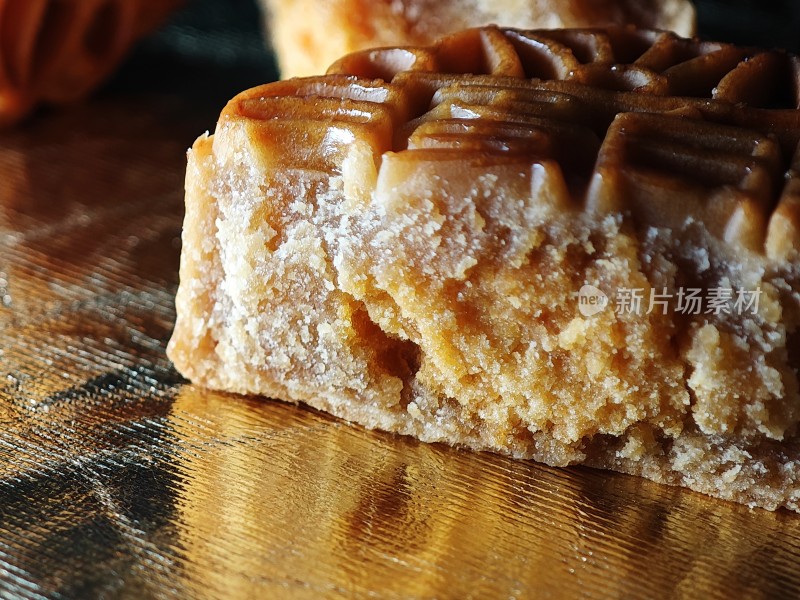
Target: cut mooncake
{"points": [[575, 246]]}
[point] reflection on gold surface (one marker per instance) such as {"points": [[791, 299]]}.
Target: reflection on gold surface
{"points": [[290, 499]]}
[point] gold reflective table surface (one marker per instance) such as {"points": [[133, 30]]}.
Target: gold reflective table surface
{"points": [[119, 479]]}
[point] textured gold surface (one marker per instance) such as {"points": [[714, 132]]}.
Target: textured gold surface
{"points": [[117, 478]]}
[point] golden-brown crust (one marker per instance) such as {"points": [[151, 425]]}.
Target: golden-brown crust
{"points": [[309, 34], [53, 51]]}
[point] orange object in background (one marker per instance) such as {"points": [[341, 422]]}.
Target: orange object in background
{"points": [[56, 51], [308, 35]]}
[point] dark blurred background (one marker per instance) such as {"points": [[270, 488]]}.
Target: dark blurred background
{"points": [[209, 50], [768, 23]]}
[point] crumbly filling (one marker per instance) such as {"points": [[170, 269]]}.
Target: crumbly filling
{"points": [[461, 305]]}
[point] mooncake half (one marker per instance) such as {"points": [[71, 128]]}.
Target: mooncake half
{"points": [[575, 246]]}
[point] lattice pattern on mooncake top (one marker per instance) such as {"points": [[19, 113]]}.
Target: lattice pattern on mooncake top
{"points": [[669, 129], [617, 58]]}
